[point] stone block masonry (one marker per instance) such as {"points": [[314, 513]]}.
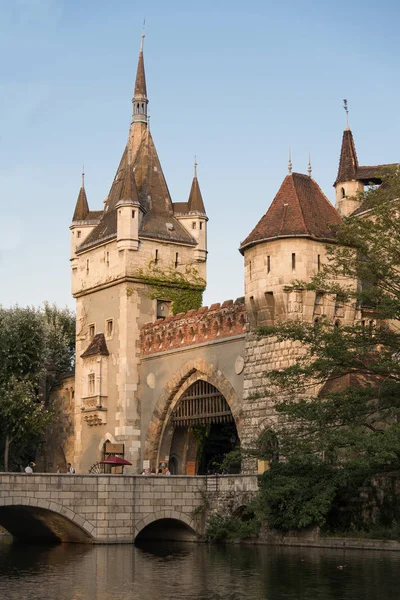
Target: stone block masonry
{"points": [[111, 508]]}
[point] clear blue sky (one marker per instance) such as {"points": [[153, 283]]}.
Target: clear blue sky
{"points": [[234, 82]]}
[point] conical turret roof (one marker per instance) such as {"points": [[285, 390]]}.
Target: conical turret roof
{"points": [[348, 163], [300, 209], [82, 207], [195, 202]]}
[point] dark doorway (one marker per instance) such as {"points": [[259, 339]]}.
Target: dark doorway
{"points": [[204, 432]]}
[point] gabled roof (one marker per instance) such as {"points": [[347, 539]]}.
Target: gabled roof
{"points": [[348, 162], [82, 207], [300, 209], [97, 346]]}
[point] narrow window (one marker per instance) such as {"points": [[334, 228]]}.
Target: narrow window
{"points": [[78, 234], [87, 266], [268, 264], [293, 261], [319, 262], [250, 270], [91, 331], [108, 259], [316, 324], [201, 225], [156, 257], [133, 214], [109, 327], [337, 324], [176, 259], [343, 192], [194, 225], [91, 383]]}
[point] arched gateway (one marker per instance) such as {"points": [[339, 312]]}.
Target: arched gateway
{"points": [[194, 426]]}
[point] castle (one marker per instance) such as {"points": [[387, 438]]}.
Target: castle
{"points": [[151, 385]]}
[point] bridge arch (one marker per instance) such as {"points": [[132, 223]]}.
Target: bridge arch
{"points": [[172, 517], [44, 520], [188, 374]]}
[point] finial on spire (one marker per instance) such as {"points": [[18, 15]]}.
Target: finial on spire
{"points": [[143, 35], [290, 166], [309, 169], [346, 108], [83, 176], [195, 166]]}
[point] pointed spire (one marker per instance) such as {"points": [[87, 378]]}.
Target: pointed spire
{"points": [[309, 168], [290, 166], [195, 202], [348, 163], [82, 207], [140, 83]]}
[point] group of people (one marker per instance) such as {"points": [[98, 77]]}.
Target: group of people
{"points": [[147, 471], [70, 469]]}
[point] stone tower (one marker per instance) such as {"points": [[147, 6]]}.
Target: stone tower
{"points": [[286, 245], [113, 252]]}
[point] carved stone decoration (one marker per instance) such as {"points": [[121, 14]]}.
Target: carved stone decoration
{"points": [[295, 302], [239, 365], [151, 381]]}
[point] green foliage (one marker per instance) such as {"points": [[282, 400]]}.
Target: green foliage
{"points": [[339, 403], [183, 288], [221, 527], [36, 345]]}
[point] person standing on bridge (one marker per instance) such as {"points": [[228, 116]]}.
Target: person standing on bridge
{"points": [[70, 469], [29, 468]]}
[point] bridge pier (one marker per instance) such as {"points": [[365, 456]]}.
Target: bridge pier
{"points": [[112, 508]]}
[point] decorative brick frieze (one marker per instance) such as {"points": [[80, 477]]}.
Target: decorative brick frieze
{"points": [[207, 324]]}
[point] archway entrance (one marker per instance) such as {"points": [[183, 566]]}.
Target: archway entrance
{"points": [[201, 431]]}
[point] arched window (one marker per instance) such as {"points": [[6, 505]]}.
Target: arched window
{"points": [[343, 192], [337, 324]]}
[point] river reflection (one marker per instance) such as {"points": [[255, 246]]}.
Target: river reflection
{"points": [[171, 571]]}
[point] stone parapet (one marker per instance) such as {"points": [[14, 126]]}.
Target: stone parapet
{"points": [[207, 324]]}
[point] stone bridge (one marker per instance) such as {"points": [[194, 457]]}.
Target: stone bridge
{"points": [[107, 509]]}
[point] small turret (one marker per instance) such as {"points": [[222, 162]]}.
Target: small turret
{"points": [[83, 221], [347, 185], [129, 212], [192, 215]]}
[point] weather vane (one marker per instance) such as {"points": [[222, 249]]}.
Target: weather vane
{"points": [[346, 108]]}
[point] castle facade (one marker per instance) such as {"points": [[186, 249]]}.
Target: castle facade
{"points": [[151, 385]]}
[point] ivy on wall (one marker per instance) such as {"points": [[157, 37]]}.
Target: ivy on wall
{"points": [[184, 289]]}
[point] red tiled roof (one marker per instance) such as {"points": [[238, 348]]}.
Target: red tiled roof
{"points": [[299, 209]]}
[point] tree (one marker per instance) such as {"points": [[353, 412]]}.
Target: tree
{"points": [[338, 406], [36, 346]]}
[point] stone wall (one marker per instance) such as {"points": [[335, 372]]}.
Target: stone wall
{"points": [[261, 355]]}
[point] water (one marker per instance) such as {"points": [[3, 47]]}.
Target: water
{"points": [[171, 571]]}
